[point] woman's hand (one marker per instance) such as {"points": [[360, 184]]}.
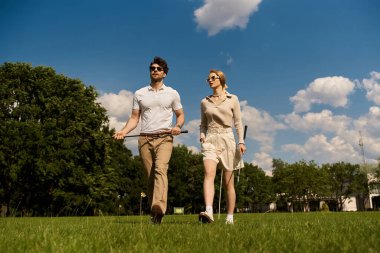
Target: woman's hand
{"points": [[242, 148]]}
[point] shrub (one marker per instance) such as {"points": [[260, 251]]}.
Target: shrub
{"points": [[325, 207]]}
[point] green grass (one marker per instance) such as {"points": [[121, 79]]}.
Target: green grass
{"points": [[270, 232]]}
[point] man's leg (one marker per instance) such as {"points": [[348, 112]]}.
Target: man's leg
{"points": [[163, 149], [146, 154]]}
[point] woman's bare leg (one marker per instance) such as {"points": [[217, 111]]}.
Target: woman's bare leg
{"points": [[230, 191]]}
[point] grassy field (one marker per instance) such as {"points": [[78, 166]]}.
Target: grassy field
{"points": [[270, 232]]}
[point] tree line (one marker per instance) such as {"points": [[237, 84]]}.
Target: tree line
{"points": [[57, 158]]}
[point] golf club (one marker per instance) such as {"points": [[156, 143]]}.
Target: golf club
{"points": [[164, 132], [221, 175]]}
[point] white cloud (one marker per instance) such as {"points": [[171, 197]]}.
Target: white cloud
{"points": [[369, 126], [190, 138], [229, 60], [323, 121], [344, 142], [263, 160], [117, 105], [370, 122], [261, 126], [331, 138], [119, 108], [323, 150], [328, 90], [194, 149], [216, 15], [114, 122], [372, 87], [193, 126]]}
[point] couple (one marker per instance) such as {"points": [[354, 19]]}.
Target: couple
{"points": [[155, 105]]}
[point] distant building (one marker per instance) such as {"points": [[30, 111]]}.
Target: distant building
{"points": [[352, 203], [373, 201]]}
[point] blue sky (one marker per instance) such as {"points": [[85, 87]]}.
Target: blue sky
{"points": [[307, 73]]}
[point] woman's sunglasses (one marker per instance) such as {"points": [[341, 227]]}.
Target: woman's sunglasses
{"points": [[213, 78]]}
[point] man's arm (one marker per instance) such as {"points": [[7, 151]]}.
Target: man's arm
{"points": [[180, 115], [129, 126]]}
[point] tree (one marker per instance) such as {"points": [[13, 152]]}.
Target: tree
{"points": [[53, 151], [345, 181], [254, 189], [132, 184], [299, 183], [185, 180]]}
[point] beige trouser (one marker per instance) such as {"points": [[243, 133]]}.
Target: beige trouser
{"points": [[155, 153]]}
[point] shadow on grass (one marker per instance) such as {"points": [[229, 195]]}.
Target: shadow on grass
{"points": [[148, 222]]}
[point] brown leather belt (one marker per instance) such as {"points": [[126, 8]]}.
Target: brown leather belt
{"points": [[154, 134]]}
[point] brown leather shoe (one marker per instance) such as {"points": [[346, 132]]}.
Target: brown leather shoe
{"points": [[156, 214]]}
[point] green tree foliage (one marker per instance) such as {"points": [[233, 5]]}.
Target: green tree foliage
{"points": [[132, 184], [185, 180], [377, 171], [345, 180], [53, 145], [325, 207], [254, 189], [299, 183]]}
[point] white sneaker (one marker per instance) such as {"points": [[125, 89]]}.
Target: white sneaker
{"points": [[205, 217], [229, 222]]}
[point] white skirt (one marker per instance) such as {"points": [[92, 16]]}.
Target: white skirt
{"points": [[220, 146]]}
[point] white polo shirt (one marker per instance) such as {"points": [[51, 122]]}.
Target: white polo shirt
{"points": [[156, 107]]}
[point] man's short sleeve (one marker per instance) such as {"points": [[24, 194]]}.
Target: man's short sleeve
{"points": [[135, 105], [176, 101]]}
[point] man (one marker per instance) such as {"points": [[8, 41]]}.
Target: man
{"points": [[155, 104]]}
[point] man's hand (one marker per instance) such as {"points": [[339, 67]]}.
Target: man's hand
{"points": [[119, 135], [176, 130]]}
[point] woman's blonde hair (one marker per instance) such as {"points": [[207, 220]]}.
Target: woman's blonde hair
{"points": [[222, 77]]}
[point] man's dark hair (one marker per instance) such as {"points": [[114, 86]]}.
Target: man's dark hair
{"points": [[161, 62]]}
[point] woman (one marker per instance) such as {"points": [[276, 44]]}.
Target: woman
{"points": [[220, 112]]}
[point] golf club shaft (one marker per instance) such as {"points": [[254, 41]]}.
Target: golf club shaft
{"points": [[245, 133]]}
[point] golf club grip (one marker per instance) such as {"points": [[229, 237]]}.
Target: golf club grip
{"points": [[245, 131], [184, 131]]}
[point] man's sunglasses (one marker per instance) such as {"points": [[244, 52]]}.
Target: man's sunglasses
{"points": [[156, 68]]}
